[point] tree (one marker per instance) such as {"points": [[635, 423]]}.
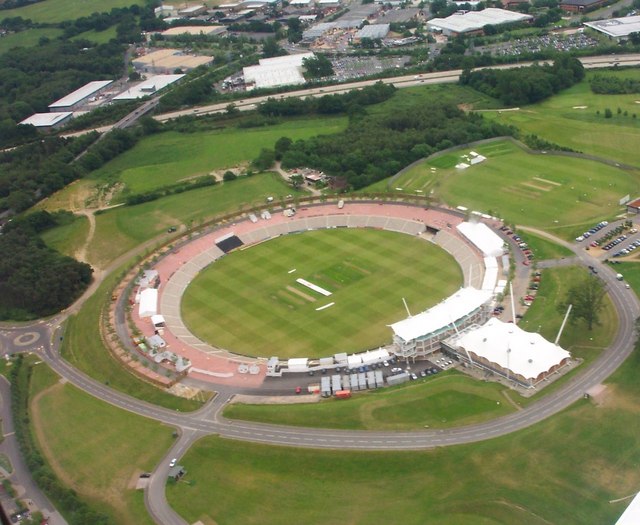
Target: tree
{"points": [[296, 180], [317, 67], [229, 176], [270, 48], [587, 298]]}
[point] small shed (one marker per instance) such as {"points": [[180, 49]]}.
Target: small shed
{"points": [[633, 206]]}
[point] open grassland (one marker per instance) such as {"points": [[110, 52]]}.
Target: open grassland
{"points": [[52, 11], [28, 38], [167, 158], [83, 348], [105, 451], [571, 119], [68, 238], [99, 37], [564, 470], [545, 191], [544, 248], [250, 303], [440, 401], [121, 229], [631, 272]]}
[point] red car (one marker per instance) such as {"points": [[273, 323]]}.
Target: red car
{"points": [[298, 390], [526, 262]]}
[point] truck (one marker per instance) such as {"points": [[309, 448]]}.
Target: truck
{"points": [[619, 277], [343, 394]]}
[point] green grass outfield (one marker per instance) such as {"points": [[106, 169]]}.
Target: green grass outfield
{"points": [[564, 470], [166, 158], [122, 229], [28, 38], [556, 120], [545, 191], [105, 450], [52, 11], [439, 401], [250, 303]]}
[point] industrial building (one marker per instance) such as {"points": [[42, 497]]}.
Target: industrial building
{"points": [[275, 72], [48, 121], [194, 30], [149, 87], [79, 96], [580, 6], [373, 31], [508, 351], [166, 61], [165, 11], [473, 21], [616, 28], [192, 11], [421, 334]]}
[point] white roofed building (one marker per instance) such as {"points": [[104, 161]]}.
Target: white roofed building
{"points": [[474, 21], [483, 238], [616, 28], [508, 351], [47, 121], [421, 334], [79, 96], [277, 71], [147, 88]]}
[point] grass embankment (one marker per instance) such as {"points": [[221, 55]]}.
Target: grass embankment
{"points": [[103, 455], [545, 191], [27, 38], [570, 119], [440, 401], [564, 470], [53, 11], [68, 238], [544, 248], [83, 348], [258, 308], [170, 157]]}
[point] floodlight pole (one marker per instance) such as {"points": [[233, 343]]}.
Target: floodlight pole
{"points": [[564, 322]]}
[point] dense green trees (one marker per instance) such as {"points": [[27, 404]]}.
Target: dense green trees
{"points": [[378, 146], [587, 298], [317, 67], [35, 280], [607, 85], [526, 85]]}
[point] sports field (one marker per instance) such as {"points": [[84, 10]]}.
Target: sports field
{"points": [[52, 11], [250, 302], [28, 38], [547, 191], [570, 119]]}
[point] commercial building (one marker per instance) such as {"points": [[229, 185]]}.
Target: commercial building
{"points": [[194, 10], [79, 96], [616, 28], [508, 351], [149, 87], [166, 61], [165, 11], [275, 72], [633, 206], [194, 30], [373, 31], [421, 334], [581, 6], [48, 121], [473, 21]]}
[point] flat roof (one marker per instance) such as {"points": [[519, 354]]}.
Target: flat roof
{"points": [[524, 353], [454, 307], [47, 120], [193, 30], [373, 31], [81, 93], [616, 27], [171, 59], [474, 20], [634, 203], [148, 87], [482, 237]]}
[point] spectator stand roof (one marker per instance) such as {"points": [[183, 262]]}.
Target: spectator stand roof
{"points": [[616, 27], [79, 94], [523, 353], [482, 237], [475, 20], [631, 515], [453, 308], [373, 31]]}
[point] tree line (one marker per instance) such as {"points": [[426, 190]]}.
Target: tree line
{"points": [[608, 85], [526, 85], [377, 146], [35, 280]]}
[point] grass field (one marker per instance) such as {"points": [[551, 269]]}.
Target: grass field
{"points": [[546, 191], [103, 454], [563, 119], [544, 248], [167, 158], [250, 303], [52, 11], [564, 470], [99, 37], [122, 229], [67, 239], [448, 399], [28, 38]]}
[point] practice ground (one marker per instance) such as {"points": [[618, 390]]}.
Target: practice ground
{"points": [[546, 191], [570, 119], [249, 303], [52, 11], [563, 470]]}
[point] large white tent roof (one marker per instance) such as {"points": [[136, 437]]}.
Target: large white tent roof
{"points": [[454, 307], [631, 516], [505, 344], [148, 302], [482, 237]]}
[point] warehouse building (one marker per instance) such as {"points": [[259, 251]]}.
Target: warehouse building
{"points": [[581, 6], [508, 351], [473, 21], [616, 28], [192, 11], [194, 30], [166, 61], [147, 88], [48, 121], [275, 72], [373, 31], [79, 97]]}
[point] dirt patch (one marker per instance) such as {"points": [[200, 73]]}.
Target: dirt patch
{"points": [[301, 294], [275, 400], [465, 107], [181, 390], [535, 186]]}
